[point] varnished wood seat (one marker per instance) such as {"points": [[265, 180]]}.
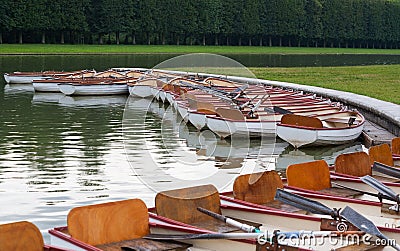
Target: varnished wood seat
{"points": [[396, 146], [260, 188], [299, 120], [181, 205], [20, 236], [113, 225], [315, 176], [381, 154], [355, 164]]}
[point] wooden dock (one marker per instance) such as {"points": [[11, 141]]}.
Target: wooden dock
{"points": [[374, 134]]}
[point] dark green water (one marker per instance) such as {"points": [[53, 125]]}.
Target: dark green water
{"points": [[59, 152], [102, 62]]}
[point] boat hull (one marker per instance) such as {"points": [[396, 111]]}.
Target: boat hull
{"points": [[141, 91], [298, 136], [10, 79], [45, 87], [98, 89]]}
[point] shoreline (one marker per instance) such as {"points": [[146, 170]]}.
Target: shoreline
{"points": [[66, 49]]}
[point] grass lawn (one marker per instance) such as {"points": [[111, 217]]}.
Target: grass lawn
{"points": [[378, 81], [103, 49]]}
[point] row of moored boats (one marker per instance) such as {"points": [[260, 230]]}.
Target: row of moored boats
{"points": [[352, 205], [227, 108]]}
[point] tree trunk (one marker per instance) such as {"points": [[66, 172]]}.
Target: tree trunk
{"points": [[280, 41], [249, 41], [1, 37], [261, 42], [133, 38], [62, 41], [117, 36], [216, 39], [20, 37], [204, 40], [191, 40], [100, 39], [163, 38], [270, 41], [43, 37]]}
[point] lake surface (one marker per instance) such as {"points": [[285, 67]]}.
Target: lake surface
{"points": [[59, 152]]}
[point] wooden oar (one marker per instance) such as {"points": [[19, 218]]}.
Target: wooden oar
{"points": [[306, 204], [265, 235], [229, 221], [385, 169], [365, 225]]}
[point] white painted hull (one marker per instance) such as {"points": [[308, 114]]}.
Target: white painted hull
{"points": [[197, 119], [162, 95], [298, 137], [225, 128], [221, 127], [155, 92], [141, 91], [10, 79], [45, 87], [183, 111], [98, 89], [169, 97]]}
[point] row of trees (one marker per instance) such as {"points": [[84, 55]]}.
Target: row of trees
{"points": [[334, 23]]}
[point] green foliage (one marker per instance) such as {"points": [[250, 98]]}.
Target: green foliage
{"points": [[332, 23]]}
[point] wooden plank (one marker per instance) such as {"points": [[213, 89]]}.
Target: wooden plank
{"points": [[310, 175], [298, 120], [381, 153], [144, 244], [396, 145], [228, 113], [20, 236], [258, 188], [356, 164], [109, 222], [181, 204]]}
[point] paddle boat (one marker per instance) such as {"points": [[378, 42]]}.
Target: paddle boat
{"points": [[23, 235], [96, 87], [127, 225], [28, 77], [264, 189], [180, 206], [326, 129]]}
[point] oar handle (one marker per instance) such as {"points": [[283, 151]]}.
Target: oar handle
{"points": [[229, 221]]}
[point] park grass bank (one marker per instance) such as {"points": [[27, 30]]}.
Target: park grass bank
{"points": [[377, 81], [178, 49]]}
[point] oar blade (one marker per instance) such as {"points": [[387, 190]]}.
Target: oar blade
{"points": [[365, 225], [303, 203], [385, 169], [361, 222], [379, 186]]}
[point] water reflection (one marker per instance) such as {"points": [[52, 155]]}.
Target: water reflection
{"points": [[55, 155], [10, 63]]}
